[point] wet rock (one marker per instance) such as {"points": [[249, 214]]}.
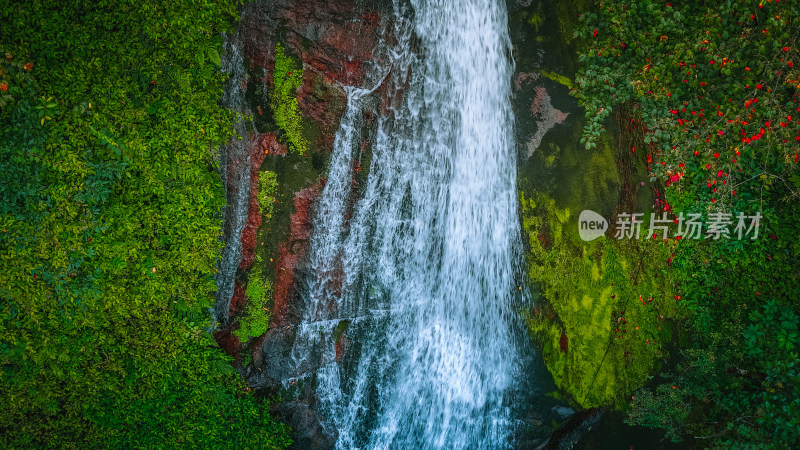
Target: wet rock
{"points": [[332, 37], [342, 346], [271, 360], [568, 435], [334, 40], [309, 431], [290, 253], [563, 411], [229, 343], [256, 148], [320, 99]]}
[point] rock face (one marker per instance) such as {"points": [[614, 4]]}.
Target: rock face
{"points": [[290, 253], [332, 40], [309, 433]]}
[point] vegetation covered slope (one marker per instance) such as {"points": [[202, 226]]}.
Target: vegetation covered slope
{"points": [[605, 314], [714, 86], [109, 226]]}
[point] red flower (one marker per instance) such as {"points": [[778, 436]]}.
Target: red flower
{"points": [[594, 33], [3, 87], [716, 155], [786, 49], [759, 86], [674, 111], [28, 66]]}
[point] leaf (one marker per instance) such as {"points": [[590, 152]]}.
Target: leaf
{"points": [[213, 55]]}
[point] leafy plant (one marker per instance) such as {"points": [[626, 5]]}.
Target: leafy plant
{"points": [[287, 77], [255, 320], [109, 226]]}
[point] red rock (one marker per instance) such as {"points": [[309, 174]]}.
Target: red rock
{"points": [[291, 251], [268, 145], [255, 148], [323, 101], [229, 343], [238, 300], [342, 37], [342, 345]]}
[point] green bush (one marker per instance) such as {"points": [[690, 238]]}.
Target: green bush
{"points": [[267, 185], [110, 233], [714, 88], [255, 319], [287, 77]]}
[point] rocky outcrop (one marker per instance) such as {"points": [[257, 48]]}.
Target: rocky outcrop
{"points": [[260, 146], [290, 252], [310, 433], [568, 435], [332, 40]]}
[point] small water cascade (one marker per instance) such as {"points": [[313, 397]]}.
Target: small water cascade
{"points": [[235, 172], [420, 277]]}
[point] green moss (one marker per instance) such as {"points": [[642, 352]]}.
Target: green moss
{"points": [[287, 77], [255, 319], [561, 79], [267, 185], [567, 15], [536, 18], [588, 286], [340, 329]]}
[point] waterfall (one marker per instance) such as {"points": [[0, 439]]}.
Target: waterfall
{"points": [[234, 162], [420, 278]]}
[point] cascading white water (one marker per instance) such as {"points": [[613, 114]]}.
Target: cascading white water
{"points": [[423, 272], [235, 173]]}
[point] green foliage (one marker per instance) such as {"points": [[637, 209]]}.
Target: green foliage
{"points": [[742, 351], [607, 299], [561, 79], [267, 185], [715, 88], [110, 233], [255, 319], [715, 84], [536, 18], [287, 77]]}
